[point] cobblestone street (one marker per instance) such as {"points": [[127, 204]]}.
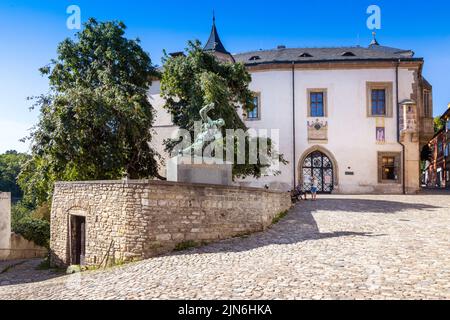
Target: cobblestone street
{"points": [[340, 247]]}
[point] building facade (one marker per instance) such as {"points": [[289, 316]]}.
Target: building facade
{"points": [[355, 118], [438, 171]]}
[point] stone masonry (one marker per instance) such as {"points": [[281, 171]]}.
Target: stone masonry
{"points": [[135, 220]]}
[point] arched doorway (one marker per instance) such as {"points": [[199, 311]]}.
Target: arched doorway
{"points": [[318, 165]]}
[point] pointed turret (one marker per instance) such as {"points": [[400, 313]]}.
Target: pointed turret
{"points": [[215, 45]]}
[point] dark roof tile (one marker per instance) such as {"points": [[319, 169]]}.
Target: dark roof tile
{"points": [[325, 54], [214, 43]]}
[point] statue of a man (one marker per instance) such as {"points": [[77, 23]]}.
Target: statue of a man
{"points": [[211, 130]]}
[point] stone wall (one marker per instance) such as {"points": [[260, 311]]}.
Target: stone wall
{"points": [[128, 221], [21, 248], [14, 246]]}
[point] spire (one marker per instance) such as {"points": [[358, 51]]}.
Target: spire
{"points": [[374, 41], [214, 44]]}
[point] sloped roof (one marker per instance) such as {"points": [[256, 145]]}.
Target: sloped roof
{"points": [[373, 52], [214, 43]]}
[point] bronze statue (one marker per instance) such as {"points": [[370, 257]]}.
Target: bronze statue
{"points": [[211, 131]]}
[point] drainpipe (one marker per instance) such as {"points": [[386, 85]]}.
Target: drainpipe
{"points": [[294, 165], [398, 129]]}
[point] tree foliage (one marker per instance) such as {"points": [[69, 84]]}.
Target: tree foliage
{"points": [[10, 166], [95, 121], [189, 82], [197, 78], [35, 230], [438, 124]]}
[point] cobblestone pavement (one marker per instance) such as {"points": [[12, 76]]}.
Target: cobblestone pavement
{"points": [[340, 247], [23, 271]]}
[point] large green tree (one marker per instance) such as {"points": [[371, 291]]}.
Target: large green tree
{"points": [[196, 78], [10, 166], [95, 121]]}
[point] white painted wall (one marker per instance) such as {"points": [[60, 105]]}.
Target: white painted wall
{"points": [[5, 223], [163, 127], [351, 134]]}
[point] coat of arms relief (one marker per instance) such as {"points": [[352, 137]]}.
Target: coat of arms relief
{"points": [[318, 131]]}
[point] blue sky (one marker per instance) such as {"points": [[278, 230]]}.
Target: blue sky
{"points": [[30, 31]]}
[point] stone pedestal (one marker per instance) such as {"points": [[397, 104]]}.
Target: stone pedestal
{"points": [[5, 224], [200, 170]]}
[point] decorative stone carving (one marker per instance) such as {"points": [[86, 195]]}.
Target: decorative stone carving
{"points": [[318, 131]]}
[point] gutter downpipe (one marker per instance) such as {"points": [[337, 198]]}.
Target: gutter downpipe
{"points": [[293, 125], [398, 128]]}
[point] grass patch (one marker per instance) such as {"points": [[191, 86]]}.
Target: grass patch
{"points": [[279, 217], [45, 265], [186, 245]]}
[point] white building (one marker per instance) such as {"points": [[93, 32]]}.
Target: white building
{"points": [[354, 117]]}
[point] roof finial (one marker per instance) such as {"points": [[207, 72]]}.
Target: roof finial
{"points": [[374, 41], [214, 16]]}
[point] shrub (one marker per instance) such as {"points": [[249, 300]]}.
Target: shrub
{"points": [[35, 230], [19, 211], [42, 212]]}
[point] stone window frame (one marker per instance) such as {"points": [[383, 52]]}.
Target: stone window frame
{"points": [[258, 96], [389, 88], [324, 91], [398, 166]]}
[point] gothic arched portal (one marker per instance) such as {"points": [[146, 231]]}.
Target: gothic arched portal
{"points": [[319, 163]]}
